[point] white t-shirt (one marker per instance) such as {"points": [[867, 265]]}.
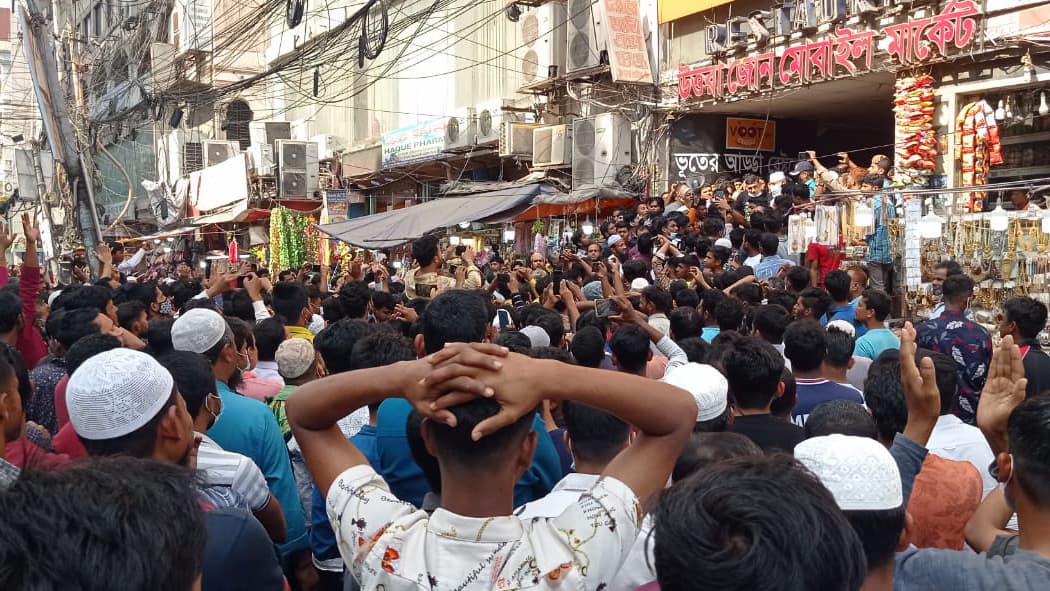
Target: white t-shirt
{"points": [[390, 544], [238, 472]]}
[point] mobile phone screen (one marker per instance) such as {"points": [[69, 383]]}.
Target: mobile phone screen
{"points": [[603, 308]]}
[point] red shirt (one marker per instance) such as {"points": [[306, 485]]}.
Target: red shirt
{"points": [[30, 344], [828, 259], [67, 442], [26, 454]]}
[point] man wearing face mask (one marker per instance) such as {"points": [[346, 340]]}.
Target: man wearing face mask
{"points": [[777, 180], [753, 198], [122, 402], [233, 477], [245, 426]]}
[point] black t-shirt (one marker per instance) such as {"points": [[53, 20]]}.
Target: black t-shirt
{"points": [[769, 432], [1036, 368]]}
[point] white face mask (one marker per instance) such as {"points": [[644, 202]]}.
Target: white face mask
{"points": [[207, 406], [774, 190]]}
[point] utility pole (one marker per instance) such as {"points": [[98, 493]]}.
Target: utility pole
{"points": [[41, 192], [43, 69]]}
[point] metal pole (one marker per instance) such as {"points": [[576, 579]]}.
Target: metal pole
{"points": [[41, 191]]}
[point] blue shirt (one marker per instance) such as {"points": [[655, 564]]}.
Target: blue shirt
{"points": [[879, 240], [876, 341], [405, 477], [847, 313], [248, 427], [322, 538], [769, 266], [709, 333], [812, 392]]}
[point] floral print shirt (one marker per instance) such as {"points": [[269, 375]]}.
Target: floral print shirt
{"points": [[389, 544], [970, 346]]}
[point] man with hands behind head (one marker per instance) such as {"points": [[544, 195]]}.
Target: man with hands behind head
{"points": [[479, 402]]}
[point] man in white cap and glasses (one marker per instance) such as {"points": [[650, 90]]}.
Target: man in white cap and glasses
{"points": [[245, 426]]}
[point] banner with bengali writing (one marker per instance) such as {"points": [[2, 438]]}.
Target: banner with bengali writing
{"points": [[844, 52]]}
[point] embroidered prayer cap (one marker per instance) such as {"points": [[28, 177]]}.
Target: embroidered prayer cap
{"points": [[294, 358], [859, 471], [116, 393], [198, 330]]}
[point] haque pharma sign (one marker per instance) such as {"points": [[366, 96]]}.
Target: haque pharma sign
{"points": [[843, 51]]}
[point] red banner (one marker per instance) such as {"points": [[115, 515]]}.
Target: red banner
{"points": [[845, 52]]}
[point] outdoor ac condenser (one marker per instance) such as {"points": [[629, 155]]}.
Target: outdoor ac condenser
{"points": [[551, 145], [601, 146], [543, 33], [587, 38], [297, 168]]}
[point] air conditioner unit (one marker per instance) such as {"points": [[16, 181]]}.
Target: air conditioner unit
{"points": [[460, 131], [260, 158], [587, 36], [297, 167], [515, 139], [601, 146], [552, 145], [268, 132], [543, 32], [216, 151], [328, 145]]}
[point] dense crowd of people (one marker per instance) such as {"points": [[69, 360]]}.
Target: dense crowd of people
{"points": [[677, 404]]}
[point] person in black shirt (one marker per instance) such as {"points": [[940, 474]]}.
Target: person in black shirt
{"points": [[1023, 319], [753, 368]]}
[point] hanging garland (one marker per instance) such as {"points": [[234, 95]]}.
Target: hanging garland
{"points": [[293, 240]]}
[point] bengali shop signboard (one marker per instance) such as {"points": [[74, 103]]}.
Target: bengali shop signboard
{"points": [[844, 52], [628, 56]]}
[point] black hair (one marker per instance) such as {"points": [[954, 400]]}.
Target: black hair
{"points": [[805, 344], [769, 243], [10, 310], [748, 293], [336, 343], [708, 447], [239, 305], [630, 345], [200, 303], [555, 353], [140, 443], [514, 340], [877, 300], [721, 345], [875, 180], [659, 297], [158, 335], [784, 405], [695, 349], [950, 268], [418, 447], [71, 325], [837, 283], [289, 300], [425, 250], [129, 312], [720, 253], [588, 347], [332, 310], [116, 517], [269, 334], [146, 293], [595, 435], [455, 445], [798, 278], [884, 394], [817, 300], [182, 292], [94, 297], [685, 323], [771, 321], [193, 377], [730, 314], [879, 532], [1027, 313], [382, 300], [454, 316], [354, 297], [242, 332], [957, 289], [551, 323], [1030, 446], [634, 269], [841, 417], [589, 318], [713, 227], [839, 346], [13, 366], [380, 349], [752, 367], [783, 298], [735, 526], [88, 347], [947, 377], [687, 298], [752, 237]]}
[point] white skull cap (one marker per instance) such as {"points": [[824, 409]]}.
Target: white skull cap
{"points": [[198, 330], [116, 393], [859, 471], [708, 386]]}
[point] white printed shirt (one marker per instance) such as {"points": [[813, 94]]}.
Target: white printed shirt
{"points": [[237, 472], [389, 544]]}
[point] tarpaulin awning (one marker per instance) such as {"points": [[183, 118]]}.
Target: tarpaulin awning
{"points": [[393, 228]]}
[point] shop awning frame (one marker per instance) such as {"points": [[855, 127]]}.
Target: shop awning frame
{"points": [[394, 228]]}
